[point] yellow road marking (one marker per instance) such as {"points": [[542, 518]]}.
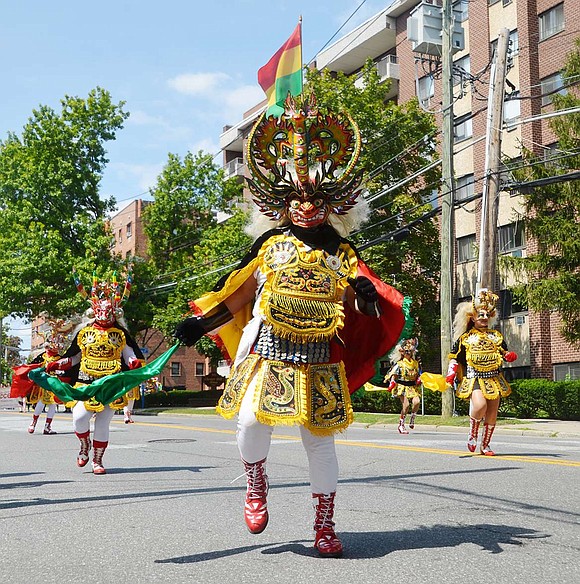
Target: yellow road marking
{"points": [[460, 453]]}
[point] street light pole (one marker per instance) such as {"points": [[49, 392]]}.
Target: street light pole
{"points": [[448, 187]]}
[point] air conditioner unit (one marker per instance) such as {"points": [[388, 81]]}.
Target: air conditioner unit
{"points": [[425, 31], [520, 320]]}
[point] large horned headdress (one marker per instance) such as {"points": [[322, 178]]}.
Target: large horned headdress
{"points": [[105, 297], [58, 337], [306, 155]]}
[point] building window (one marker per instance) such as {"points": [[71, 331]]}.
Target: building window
{"points": [[511, 373], [508, 306], [567, 371], [175, 369], [511, 110], [511, 238], [425, 90], [462, 128], [551, 85], [551, 22], [464, 187], [120, 237], [129, 230], [461, 69], [199, 369], [513, 44], [466, 250], [552, 155]]}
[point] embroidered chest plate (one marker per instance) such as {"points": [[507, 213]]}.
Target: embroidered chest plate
{"points": [[302, 296], [101, 350], [482, 350], [409, 369]]}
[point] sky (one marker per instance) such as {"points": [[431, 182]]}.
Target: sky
{"points": [[184, 68]]}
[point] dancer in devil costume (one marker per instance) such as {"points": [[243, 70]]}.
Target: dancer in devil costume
{"points": [[302, 318], [100, 348], [57, 340], [476, 360]]}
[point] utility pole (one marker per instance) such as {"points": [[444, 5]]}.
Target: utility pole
{"points": [[486, 269], [448, 188]]}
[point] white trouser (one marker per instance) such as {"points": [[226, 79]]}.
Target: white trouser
{"points": [[254, 444], [82, 421], [49, 412], [128, 409]]}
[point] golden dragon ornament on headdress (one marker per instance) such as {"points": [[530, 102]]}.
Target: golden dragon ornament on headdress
{"points": [[305, 154]]}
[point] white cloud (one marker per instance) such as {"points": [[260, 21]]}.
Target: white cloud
{"points": [[243, 98], [199, 84], [141, 118], [206, 144], [145, 175]]}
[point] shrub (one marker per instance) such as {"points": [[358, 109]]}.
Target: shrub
{"points": [[182, 399], [384, 402]]}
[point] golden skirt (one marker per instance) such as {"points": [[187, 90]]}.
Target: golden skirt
{"points": [[314, 395]]}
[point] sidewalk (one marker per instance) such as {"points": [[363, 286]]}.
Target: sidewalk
{"points": [[551, 428]]}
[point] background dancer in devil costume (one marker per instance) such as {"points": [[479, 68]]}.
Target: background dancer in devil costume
{"points": [[57, 340], [100, 348], [302, 318]]}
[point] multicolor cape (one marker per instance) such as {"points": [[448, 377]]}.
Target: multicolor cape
{"points": [[106, 389], [366, 338]]}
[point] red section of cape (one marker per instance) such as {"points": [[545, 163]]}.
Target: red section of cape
{"points": [[21, 385], [367, 338]]}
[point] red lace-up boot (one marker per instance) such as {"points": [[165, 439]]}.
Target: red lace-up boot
{"points": [[255, 507], [98, 452], [486, 439], [32, 426], [326, 540], [83, 456], [473, 432], [401, 428], [47, 427], [412, 420]]}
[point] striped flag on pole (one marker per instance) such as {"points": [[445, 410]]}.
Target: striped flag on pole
{"points": [[283, 73]]}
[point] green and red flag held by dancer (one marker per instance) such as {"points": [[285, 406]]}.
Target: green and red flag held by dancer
{"points": [[282, 74]]}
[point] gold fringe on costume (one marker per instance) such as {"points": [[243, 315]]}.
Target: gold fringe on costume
{"points": [[315, 396], [491, 387]]}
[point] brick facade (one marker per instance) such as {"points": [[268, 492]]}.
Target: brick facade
{"points": [[535, 335], [187, 366]]}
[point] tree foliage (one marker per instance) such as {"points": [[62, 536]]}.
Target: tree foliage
{"points": [[188, 248], [398, 141], [51, 215], [549, 278]]}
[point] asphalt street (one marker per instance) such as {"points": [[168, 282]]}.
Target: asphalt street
{"points": [[417, 508]]}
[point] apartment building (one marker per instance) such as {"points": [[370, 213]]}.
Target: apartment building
{"points": [[541, 34], [187, 367]]}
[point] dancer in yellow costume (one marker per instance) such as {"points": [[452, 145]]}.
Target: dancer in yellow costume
{"points": [[404, 379], [302, 318], [476, 359], [100, 348]]}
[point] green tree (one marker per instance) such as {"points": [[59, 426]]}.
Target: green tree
{"points": [[51, 214], [189, 249], [549, 279], [9, 356], [398, 141]]}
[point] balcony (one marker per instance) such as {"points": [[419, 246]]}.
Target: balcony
{"points": [[369, 40], [234, 167]]}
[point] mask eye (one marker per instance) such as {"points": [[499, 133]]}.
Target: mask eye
{"points": [[294, 204], [318, 203]]}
